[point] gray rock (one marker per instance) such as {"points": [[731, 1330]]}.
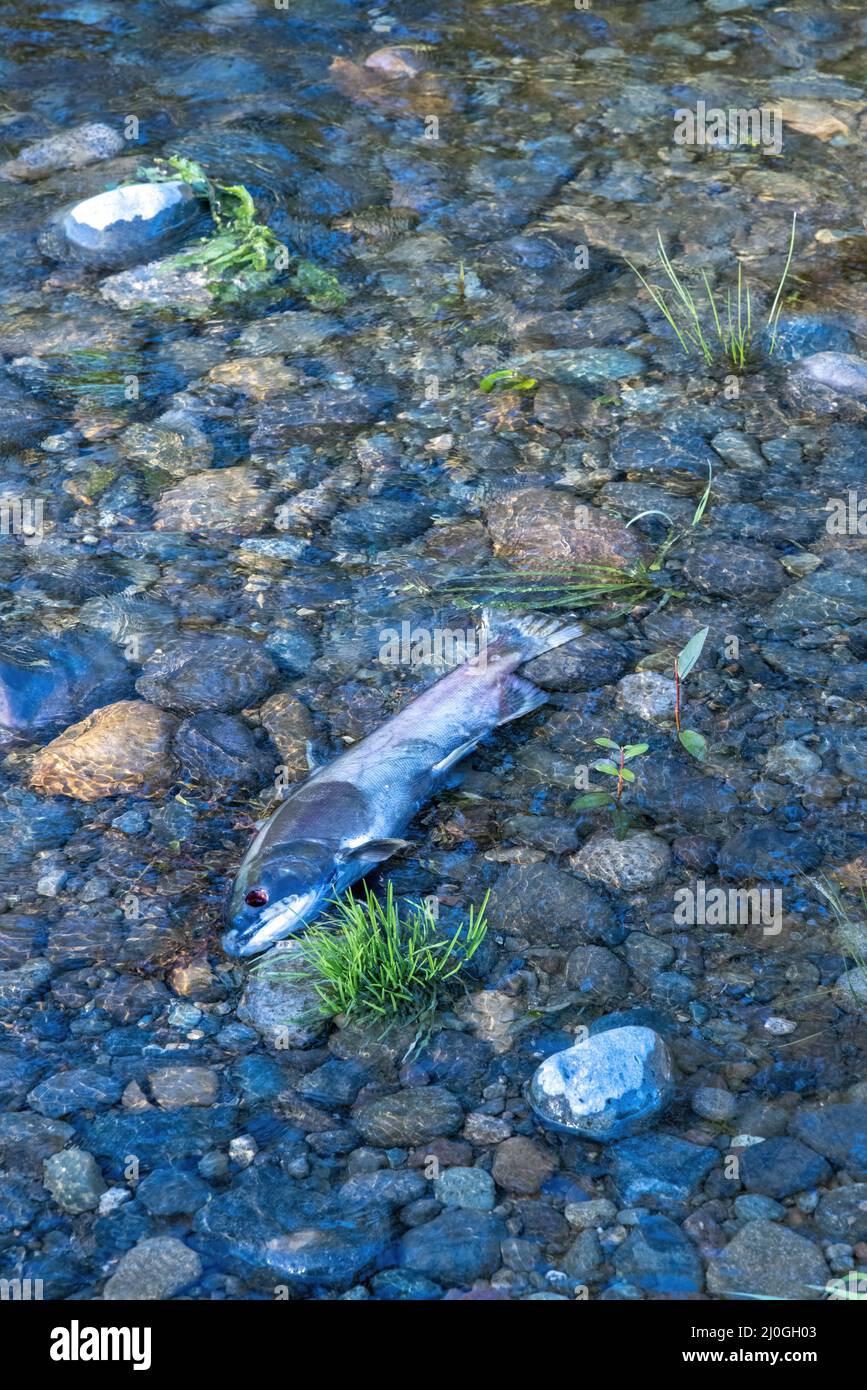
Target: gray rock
{"points": [[175, 1087], [158, 285], [72, 149], [589, 365], [647, 694], [74, 1180], [583, 1259], [751, 1206], [465, 1187], [205, 671], [154, 1269], [175, 443], [543, 903], [734, 571], [383, 1188], [130, 224], [793, 761], [766, 1260], [842, 1213], [640, 861], [597, 974], [23, 420], [841, 372], [455, 1248], [714, 1103], [25, 1140], [284, 1012], [409, 1117], [609, 1086]]}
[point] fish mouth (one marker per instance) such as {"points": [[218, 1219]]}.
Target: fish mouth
{"points": [[280, 920]]}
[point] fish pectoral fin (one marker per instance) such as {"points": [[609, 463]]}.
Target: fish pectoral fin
{"points": [[372, 851], [455, 756]]}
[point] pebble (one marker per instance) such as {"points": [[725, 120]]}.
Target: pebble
{"points": [[74, 1180], [465, 1187]]}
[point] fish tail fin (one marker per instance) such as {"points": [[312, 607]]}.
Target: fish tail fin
{"points": [[518, 697], [525, 635]]}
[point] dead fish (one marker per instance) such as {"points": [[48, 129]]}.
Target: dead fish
{"points": [[351, 814]]}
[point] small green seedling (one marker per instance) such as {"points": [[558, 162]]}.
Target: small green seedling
{"points": [[615, 768], [512, 381], [693, 742]]}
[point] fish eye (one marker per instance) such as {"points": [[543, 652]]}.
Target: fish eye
{"points": [[257, 897]]}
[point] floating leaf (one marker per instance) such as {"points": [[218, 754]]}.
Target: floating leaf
{"points": [[691, 653], [694, 743], [591, 799]]}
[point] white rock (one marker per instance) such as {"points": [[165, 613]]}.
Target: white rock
{"points": [[609, 1086]]}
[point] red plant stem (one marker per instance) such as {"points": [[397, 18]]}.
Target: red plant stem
{"points": [[620, 777], [676, 696]]}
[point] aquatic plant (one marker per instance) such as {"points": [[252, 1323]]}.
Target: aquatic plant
{"points": [[368, 960], [851, 930], [512, 381], [242, 244], [615, 768], [731, 332], [693, 742]]}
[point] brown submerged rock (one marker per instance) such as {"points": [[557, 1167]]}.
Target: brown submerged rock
{"points": [[121, 748], [546, 525], [223, 500]]}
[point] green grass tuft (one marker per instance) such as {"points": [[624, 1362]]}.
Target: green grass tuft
{"points": [[732, 319], [367, 961]]}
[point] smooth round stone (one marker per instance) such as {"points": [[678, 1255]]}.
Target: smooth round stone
{"points": [[608, 1087], [131, 224]]}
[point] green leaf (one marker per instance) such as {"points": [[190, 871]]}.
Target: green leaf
{"points": [[508, 378], [694, 743], [691, 653], [608, 767], [591, 799], [606, 743], [627, 775], [634, 750]]}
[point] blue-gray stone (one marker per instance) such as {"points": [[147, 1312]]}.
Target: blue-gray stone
{"points": [[455, 1248], [839, 1133], [609, 1086], [778, 1167], [82, 1088], [657, 1257], [660, 1166]]}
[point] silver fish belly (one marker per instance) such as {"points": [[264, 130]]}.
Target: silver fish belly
{"points": [[350, 815]]}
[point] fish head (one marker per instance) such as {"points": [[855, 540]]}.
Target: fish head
{"points": [[277, 892]]}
